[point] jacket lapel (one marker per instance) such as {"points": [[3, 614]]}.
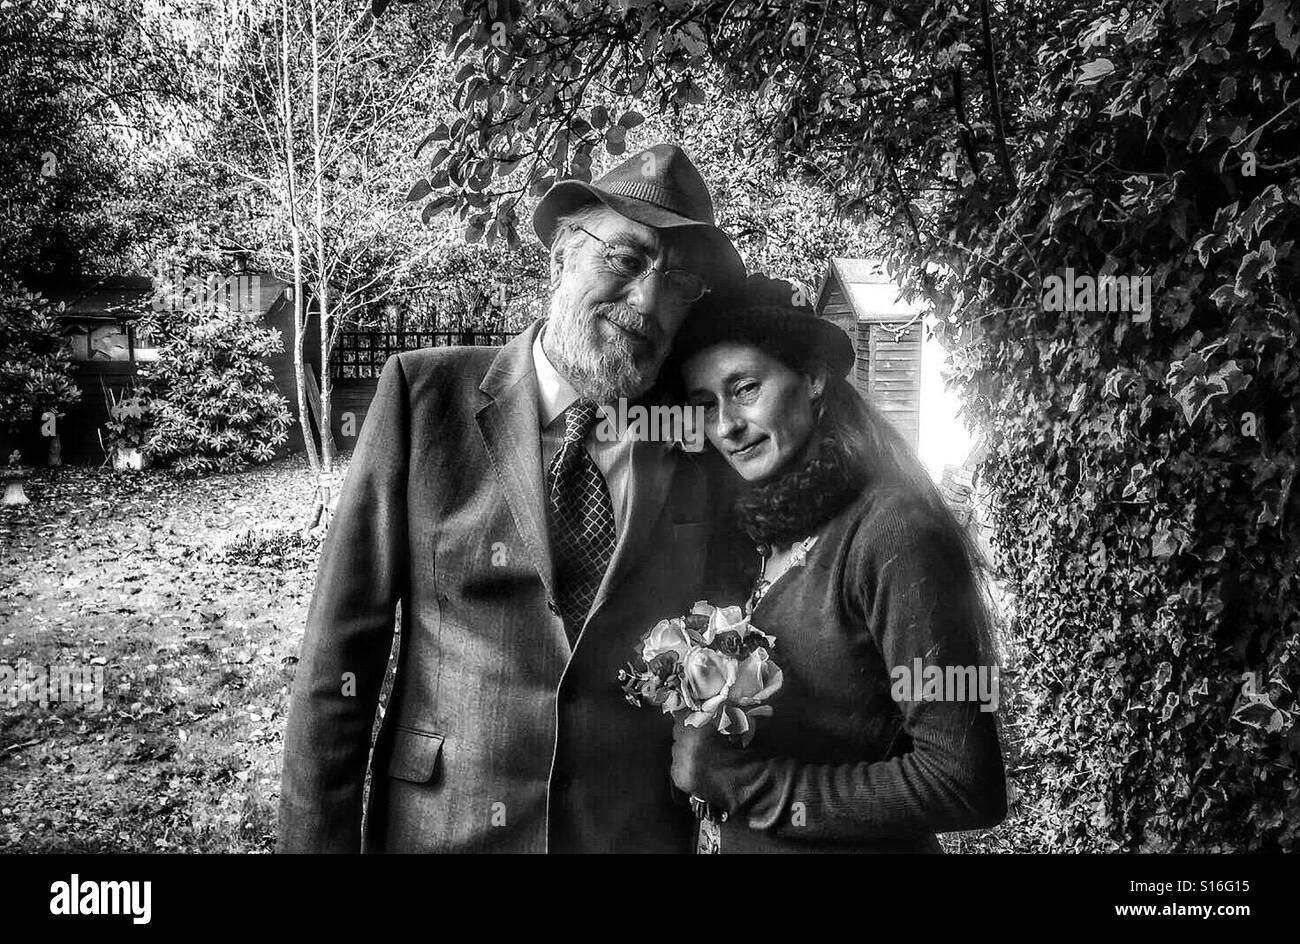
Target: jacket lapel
{"points": [[508, 422]]}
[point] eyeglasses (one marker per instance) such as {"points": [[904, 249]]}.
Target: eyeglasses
{"points": [[632, 265]]}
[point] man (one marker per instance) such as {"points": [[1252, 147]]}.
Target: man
{"points": [[528, 557]]}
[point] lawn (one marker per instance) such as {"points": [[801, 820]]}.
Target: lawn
{"points": [[192, 596]]}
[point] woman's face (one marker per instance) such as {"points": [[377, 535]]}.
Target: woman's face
{"points": [[758, 412]]}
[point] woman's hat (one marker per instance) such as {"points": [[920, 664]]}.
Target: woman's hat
{"points": [[764, 312], [661, 188]]}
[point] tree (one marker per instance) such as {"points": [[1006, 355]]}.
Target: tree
{"points": [[36, 377], [326, 97], [84, 90]]}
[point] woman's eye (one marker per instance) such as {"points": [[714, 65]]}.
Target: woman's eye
{"points": [[747, 390]]}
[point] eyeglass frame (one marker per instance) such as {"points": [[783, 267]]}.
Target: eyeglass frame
{"points": [[653, 266]]}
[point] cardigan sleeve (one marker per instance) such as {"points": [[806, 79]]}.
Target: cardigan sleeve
{"points": [[904, 586]]}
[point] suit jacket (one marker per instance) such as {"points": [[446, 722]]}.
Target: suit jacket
{"points": [[497, 737]]}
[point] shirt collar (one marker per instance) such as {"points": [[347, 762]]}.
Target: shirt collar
{"points": [[555, 394]]}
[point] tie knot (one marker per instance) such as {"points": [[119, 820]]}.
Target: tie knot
{"points": [[578, 420]]}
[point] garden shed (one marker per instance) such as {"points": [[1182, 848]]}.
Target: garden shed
{"points": [[860, 297], [105, 325]]}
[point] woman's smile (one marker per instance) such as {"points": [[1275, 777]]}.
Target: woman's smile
{"points": [[745, 453]]}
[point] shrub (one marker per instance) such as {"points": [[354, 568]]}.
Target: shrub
{"points": [[131, 420], [35, 364], [216, 402]]}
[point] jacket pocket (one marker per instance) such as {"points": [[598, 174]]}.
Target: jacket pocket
{"points": [[415, 755]]}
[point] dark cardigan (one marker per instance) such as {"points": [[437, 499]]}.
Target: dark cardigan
{"points": [[842, 766]]}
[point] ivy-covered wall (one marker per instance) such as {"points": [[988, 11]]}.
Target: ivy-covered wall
{"points": [[1143, 461]]}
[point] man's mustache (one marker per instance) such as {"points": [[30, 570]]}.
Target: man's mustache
{"points": [[625, 317]]}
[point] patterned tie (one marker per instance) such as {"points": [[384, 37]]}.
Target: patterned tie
{"points": [[580, 517]]}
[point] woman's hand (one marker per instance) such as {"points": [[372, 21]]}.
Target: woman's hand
{"points": [[706, 765]]}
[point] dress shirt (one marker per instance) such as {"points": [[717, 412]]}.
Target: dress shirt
{"points": [[614, 459]]}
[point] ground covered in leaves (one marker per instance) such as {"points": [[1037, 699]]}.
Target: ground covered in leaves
{"points": [[191, 596]]}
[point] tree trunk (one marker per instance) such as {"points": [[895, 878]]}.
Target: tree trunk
{"points": [[299, 371], [323, 299], [299, 302]]}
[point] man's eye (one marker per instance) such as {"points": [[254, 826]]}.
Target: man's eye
{"points": [[747, 389], [626, 263]]}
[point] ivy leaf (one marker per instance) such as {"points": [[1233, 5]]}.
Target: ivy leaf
{"points": [[1163, 544], [631, 119], [1116, 382], [1254, 266], [1094, 72], [1226, 295], [1207, 246], [1277, 13], [1232, 377], [1197, 394]]}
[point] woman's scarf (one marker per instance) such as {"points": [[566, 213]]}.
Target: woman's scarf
{"points": [[795, 503]]}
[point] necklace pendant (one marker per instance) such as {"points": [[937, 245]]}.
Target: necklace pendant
{"points": [[799, 556]]}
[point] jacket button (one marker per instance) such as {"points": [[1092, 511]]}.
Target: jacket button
{"points": [[550, 605]]}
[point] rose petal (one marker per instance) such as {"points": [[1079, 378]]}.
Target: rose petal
{"points": [[698, 719]]}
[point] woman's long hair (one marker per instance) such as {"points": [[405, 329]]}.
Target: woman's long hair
{"points": [[868, 441]]}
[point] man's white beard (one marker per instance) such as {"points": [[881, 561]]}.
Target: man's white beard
{"points": [[599, 370]]}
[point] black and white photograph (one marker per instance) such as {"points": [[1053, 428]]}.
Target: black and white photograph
{"points": [[651, 426]]}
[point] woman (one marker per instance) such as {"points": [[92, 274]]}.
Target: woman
{"points": [[883, 732]]}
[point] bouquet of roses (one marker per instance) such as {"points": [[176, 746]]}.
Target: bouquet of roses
{"points": [[711, 666]]}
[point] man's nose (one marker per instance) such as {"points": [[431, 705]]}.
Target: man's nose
{"points": [[648, 297]]}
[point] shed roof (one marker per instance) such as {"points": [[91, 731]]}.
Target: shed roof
{"points": [[101, 299], [867, 288], [119, 297]]}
